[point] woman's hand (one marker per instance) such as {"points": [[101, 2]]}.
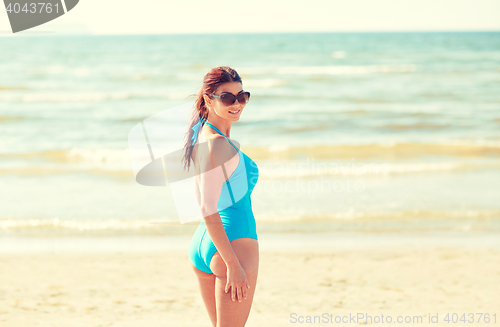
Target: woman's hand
{"points": [[238, 282]]}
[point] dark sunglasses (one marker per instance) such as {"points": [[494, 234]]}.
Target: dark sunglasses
{"points": [[228, 98]]}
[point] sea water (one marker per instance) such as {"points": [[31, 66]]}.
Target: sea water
{"points": [[368, 132]]}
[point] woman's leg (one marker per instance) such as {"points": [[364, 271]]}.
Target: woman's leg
{"points": [[207, 289], [233, 313]]}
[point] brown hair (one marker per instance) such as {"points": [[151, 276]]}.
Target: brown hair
{"points": [[211, 82]]}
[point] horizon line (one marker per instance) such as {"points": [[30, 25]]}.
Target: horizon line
{"points": [[9, 33]]}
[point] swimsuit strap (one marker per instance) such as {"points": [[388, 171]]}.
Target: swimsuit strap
{"points": [[224, 170], [222, 134]]}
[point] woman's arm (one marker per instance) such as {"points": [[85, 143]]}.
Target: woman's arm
{"points": [[212, 179], [197, 192], [218, 235]]}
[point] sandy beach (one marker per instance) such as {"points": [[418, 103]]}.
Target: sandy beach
{"points": [[159, 288], [377, 142], [378, 157]]}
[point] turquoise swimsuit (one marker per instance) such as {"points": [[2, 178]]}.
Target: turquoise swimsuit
{"points": [[235, 211]]}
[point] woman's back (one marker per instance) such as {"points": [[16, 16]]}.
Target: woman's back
{"points": [[240, 172]]}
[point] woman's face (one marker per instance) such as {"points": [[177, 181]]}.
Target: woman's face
{"points": [[231, 113]]}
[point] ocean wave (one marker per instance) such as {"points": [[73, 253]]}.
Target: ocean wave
{"points": [[264, 83], [6, 88], [390, 151], [372, 215], [68, 225], [279, 160], [272, 170], [88, 96], [286, 221], [99, 155], [329, 70], [64, 97], [59, 69], [9, 118], [39, 171], [286, 170], [339, 54], [401, 127], [76, 154], [96, 161]]}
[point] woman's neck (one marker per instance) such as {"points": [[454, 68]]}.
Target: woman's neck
{"points": [[222, 125]]}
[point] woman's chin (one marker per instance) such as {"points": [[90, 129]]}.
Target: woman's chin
{"points": [[234, 117]]}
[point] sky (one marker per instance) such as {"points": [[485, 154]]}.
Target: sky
{"points": [[260, 16]]}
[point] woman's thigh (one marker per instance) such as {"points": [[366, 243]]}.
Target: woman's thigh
{"points": [[247, 252], [229, 312]]}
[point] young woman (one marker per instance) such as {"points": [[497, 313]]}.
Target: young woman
{"points": [[224, 250]]}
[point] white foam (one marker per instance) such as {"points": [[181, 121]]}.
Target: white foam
{"points": [[329, 70], [339, 54], [107, 159], [86, 96], [83, 225], [278, 170], [263, 83]]}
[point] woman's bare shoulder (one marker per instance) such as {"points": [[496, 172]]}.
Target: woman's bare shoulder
{"points": [[214, 152]]}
